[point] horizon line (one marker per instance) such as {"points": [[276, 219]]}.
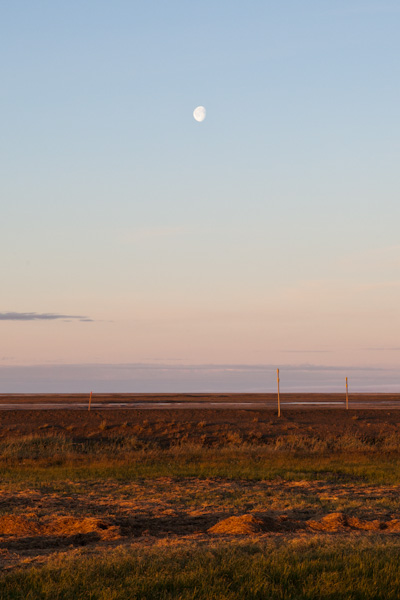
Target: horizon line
{"points": [[202, 366]]}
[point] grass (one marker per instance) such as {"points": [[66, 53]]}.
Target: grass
{"points": [[53, 457], [128, 477], [357, 469], [317, 569]]}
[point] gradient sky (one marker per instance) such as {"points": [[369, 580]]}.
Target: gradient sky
{"points": [[269, 233]]}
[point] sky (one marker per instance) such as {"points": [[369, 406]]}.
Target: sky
{"points": [[130, 234]]}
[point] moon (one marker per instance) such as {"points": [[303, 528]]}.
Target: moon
{"points": [[199, 113]]}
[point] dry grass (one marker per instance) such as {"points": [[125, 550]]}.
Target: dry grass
{"points": [[75, 514], [19, 526], [342, 522], [57, 445]]}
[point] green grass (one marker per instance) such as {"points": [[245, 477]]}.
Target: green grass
{"points": [[299, 570], [245, 462]]}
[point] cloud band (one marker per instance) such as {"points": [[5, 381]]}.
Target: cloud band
{"points": [[33, 316]]}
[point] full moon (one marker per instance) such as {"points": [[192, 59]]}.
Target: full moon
{"points": [[199, 113]]}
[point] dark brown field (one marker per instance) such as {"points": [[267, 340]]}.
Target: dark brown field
{"points": [[371, 415]]}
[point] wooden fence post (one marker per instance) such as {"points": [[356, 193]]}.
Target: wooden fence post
{"points": [[90, 400], [347, 395], [279, 400]]}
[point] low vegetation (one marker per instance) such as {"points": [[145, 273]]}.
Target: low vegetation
{"points": [[240, 514], [297, 570], [296, 457]]}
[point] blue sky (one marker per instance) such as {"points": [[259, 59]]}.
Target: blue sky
{"points": [[267, 233]]}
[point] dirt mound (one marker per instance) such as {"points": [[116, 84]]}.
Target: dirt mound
{"points": [[332, 522], [393, 525], [16, 525], [243, 525], [65, 526], [341, 522], [375, 525]]}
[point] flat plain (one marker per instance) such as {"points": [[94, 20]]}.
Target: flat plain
{"points": [[200, 502]]}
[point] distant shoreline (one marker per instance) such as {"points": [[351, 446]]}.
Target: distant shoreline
{"points": [[201, 401]]}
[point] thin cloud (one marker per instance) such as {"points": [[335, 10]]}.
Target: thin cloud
{"points": [[383, 349], [306, 351], [196, 379], [33, 316]]}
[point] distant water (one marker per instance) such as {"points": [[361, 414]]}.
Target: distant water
{"points": [[157, 378]]}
